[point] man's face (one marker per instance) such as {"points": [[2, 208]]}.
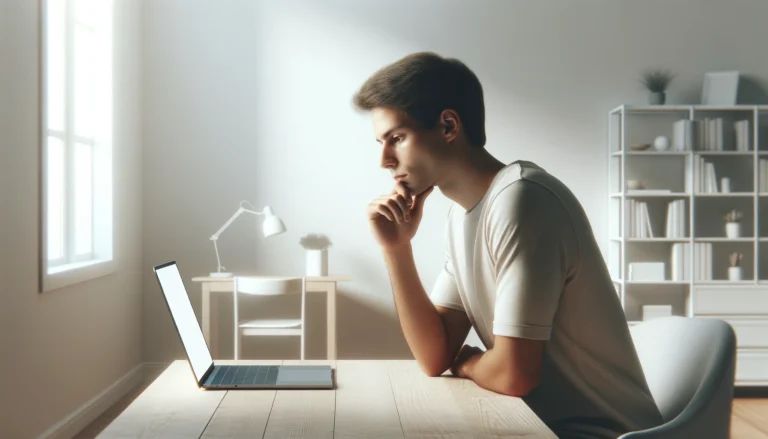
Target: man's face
{"points": [[412, 154]]}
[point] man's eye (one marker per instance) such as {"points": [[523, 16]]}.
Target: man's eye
{"points": [[399, 139]]}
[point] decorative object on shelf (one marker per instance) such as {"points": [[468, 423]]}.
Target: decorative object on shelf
{"points": [[272, 226], [647, 271], [720, 88], [661, 143], [635, 184], [656, 82], [651, 312], [732, 225], [734, 267], [725, 185], [639, 146], [317, 254]]}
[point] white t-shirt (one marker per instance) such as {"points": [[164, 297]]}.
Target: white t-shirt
{"points": [[524, 263]]}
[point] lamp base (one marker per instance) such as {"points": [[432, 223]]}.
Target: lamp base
{"points": [[222, 274]]}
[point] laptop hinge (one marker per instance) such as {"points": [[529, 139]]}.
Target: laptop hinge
{"points": [[206, 374]]}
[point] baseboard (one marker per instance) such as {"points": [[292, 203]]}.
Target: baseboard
{"points": [[80, 418]]}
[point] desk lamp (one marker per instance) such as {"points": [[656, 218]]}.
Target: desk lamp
{"points": [[271, 226]]}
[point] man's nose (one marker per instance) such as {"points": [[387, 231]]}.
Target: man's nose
{"points": [[387, 159]]}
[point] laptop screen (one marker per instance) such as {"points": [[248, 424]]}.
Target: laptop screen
{"points": [[184, 317]]}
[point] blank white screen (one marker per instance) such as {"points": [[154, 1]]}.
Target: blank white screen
{"points": [[186, 322]]}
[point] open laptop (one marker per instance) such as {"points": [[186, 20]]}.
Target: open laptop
{"points": [[212, 376]]}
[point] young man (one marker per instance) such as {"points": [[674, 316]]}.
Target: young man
{"points": [[523, 267]]}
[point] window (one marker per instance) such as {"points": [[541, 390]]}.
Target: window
{"points": [[76, 137]]}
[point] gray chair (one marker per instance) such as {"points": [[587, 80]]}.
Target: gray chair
{"points": [[689, 364]]}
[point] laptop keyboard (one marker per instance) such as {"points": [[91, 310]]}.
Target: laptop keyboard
{"points": [[245, 375]]}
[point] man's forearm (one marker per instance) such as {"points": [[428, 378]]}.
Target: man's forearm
{"points": [[422, 326], [489, 372]]}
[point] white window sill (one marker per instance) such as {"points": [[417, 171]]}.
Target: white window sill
{"points": [[71, 274]]}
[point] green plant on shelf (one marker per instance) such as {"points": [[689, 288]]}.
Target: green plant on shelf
{"points": [[733, 216], [735, 258], [656, 80]]}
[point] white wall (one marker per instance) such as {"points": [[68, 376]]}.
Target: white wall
{"points": [[63, 347], [251, 100]]}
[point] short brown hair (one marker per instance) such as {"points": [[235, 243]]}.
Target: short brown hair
{"points": [[423, 85]]}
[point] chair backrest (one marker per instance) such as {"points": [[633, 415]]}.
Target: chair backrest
{"points": [[268, 286], [689, 364]]}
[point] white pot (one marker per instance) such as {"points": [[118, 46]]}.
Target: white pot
{"points": [[317, 262], [734, 273], [732, 230]]}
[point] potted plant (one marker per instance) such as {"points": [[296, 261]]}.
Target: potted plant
{"points": [[734, 266], [657, 81], [732, 225], [317, 254]]}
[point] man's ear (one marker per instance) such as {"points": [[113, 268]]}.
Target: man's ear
{"points": [[449, 122]]}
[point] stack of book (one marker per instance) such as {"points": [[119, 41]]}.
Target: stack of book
{"points": [[711, 135], [763, 183], [676, 219], [741, 127], [640, 221], [702, 269], [706, 181], [680, 260]]}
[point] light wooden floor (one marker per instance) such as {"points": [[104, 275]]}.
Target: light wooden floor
{"points": [[750, 416]]}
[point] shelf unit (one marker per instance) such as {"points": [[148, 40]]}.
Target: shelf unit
{"points": [[678, 170]]}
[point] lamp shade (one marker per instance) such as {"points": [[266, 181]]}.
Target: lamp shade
{"points": [[272, 224]]}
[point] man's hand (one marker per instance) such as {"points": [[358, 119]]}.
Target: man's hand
{"points": [[395, 217], [466, 357]]}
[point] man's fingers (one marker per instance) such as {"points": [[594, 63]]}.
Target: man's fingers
{"points": [[401, 189], [395, 208], [403, 204], [384, 211]]}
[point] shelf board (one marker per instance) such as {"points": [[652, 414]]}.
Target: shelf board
{"points": [[640, 194], [695, 107], [657, 282], [764, 194], [660, 239], [736, 153], [726, 194], [763, 239], [650, 153], [724, 282], [723, 239]]}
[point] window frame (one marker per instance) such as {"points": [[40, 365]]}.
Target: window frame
{"points": [[74, 268]]}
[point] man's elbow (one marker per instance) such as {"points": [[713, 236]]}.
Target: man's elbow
{"points": [[434, 368], [519, 386]]}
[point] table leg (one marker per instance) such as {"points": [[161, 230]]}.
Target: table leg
{"points": [[207, 313], [331, 315]]}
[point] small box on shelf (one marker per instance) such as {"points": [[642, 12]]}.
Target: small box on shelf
{"points": [[650, 312]]}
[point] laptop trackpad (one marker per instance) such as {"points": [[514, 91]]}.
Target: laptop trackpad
{"points": [[317, 375]]}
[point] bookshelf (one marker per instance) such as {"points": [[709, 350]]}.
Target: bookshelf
{"points": [[669, 246]]}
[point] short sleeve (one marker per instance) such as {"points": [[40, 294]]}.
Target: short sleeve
{"points": [[445, 291], [528, 234]]}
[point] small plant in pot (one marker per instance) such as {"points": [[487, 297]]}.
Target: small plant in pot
{"points": [[732, 225], [734, 266], [656, 82]]}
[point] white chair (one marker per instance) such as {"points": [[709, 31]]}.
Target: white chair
{"points": [[689, 364], [268, 286]]}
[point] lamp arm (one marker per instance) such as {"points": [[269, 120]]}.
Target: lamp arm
{"points": [[231, 220], [215, 236]]}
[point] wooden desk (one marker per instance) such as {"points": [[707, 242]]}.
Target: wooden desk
{"points": [[321, 284], [372, 399]]}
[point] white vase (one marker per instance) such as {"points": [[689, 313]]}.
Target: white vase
{"points": [[732, 230], [734, 273], [317, 262]]}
